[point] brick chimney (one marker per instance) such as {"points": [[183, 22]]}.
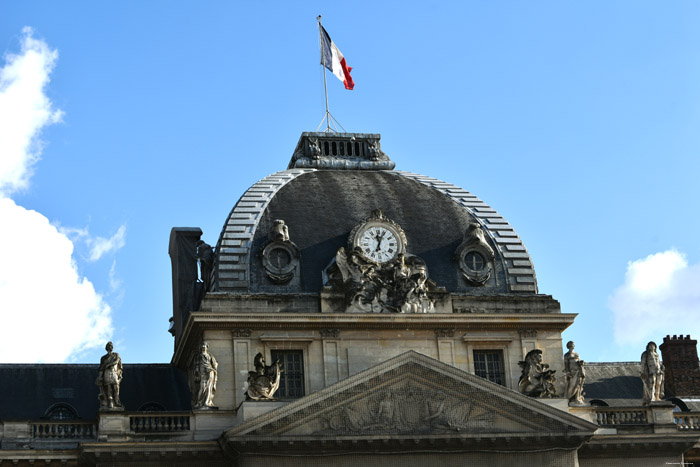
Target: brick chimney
{"points": [[680, 357]]}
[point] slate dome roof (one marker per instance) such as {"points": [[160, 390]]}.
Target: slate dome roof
{"points": [[322, 197]]}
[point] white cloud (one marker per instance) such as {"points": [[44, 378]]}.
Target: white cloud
{"points": [[48, 312], [24, 110], [100, 246], [660, 296]]}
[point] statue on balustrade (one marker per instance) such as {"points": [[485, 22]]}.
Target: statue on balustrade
{"points": [[203, 378], [652, 374], [536, 380], [575, 375], [109, 377], [264, 381]]}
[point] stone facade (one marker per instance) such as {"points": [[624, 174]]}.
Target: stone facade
{"points": [[400, 310]]}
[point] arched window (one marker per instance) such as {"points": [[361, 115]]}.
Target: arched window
{"points": [[152, 407], [599, 403], [61, 411]]}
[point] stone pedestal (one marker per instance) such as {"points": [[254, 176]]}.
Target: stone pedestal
{"points": [[252, 409], [208, 424], [112, 426], [662, 417], [557, 403]]}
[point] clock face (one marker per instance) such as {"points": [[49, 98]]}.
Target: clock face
{"points": [[379, 244]]}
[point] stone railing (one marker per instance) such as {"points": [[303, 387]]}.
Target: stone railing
{"points": [[63, 430], [159, 422], [687, 420], [615, 416]]}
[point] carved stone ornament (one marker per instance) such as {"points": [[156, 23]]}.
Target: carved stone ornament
{"points": [[442, 333], [340, 151], [575, 375], [652, 374], [109, 377], [203, 376], [241, 332], [264, 381], [400, 286], [329, 333], [527, 333], [280, 256], [376, 275], [475, 256], [409, 409], [536, 380]]}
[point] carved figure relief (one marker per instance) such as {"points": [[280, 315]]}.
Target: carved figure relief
{"points": [[203, 378], [376, 274], [400, 286], [652, 374], [475, 256], [109, 377], [575, 375], [410, 408], [264, 381], [536, 380], [280, 256]]}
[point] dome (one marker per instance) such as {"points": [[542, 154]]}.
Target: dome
{"points": [[333, 184]]}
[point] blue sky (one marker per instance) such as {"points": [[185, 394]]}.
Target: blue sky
{"points": [[577, 121]]}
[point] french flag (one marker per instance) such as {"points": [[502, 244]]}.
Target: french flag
{"points": [[333, 59]]}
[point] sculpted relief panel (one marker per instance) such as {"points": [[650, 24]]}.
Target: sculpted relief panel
{"points": [[409, 409], [375, 274]]}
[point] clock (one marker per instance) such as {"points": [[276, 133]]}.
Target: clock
{"points": [[378, 239]]}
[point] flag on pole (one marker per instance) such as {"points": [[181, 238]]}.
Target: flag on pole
{"points": [[333, 59]]}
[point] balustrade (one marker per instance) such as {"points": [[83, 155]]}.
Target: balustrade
{"points": [[63, 430], [687, 420], [161, 423], [611, 416]]}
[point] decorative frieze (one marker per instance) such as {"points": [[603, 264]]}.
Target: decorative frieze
{"points": [[527, 333], [330, 333], [241, 332], [442, 333]]}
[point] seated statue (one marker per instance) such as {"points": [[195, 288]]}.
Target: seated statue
{"points": [[575, 374], [264, 381], [536, 380]]}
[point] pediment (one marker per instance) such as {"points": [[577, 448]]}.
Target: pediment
{"points": [[413, 396]]}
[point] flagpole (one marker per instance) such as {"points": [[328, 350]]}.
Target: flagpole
{"points": [[323, 65]]}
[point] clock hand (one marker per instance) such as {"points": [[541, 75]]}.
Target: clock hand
{"points": [[379, 239]]}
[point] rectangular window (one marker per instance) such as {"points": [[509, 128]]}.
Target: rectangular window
{"points": [[489, 364], [292, 378]]}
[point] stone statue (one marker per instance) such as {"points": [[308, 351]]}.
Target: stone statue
{"points": [[279, 231], [264, 381], [203, 378], [536, 380], [205, 255], [109, 377], [652, 374], [575, 374], [400, 286]]}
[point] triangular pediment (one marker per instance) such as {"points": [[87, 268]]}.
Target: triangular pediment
{"points": [[411, 396]]}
